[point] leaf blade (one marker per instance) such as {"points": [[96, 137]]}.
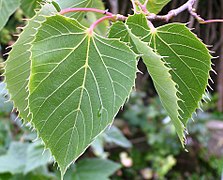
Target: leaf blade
{"points": [[160, 74], [95, 97], [173, 42], [189, 53], [7, 8], [29, 7]]}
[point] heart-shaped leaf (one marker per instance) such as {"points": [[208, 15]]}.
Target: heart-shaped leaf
{"points": [[78, 83]]}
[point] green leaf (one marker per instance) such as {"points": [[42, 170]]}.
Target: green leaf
{"points": [[98, 147], [17, 67], [155, 6], [114, 135], [5, 107], [187, 59], [119, 30], [23, 158], [19, 57], [75, 4], [93, 169], [160, 74], [91, 17], [14, 160], [35, 157], [7, 8], [190, 62], [77, 85], [29, 6]]}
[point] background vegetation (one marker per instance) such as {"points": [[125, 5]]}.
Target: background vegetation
{"points": [[142, 144]]}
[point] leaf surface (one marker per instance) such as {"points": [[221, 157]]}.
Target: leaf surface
{"points": [[19, 57], [185, 57], [77, 85], [114, 135], [91, 17], [23, 158], [155, 6], [189, 60], [35, 157], [93, 169], [75, 4], [160, 74], [14, 160], [29, 6], [17, 67], [120, 30], [7, 8]]}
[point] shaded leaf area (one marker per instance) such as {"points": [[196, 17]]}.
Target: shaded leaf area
{"points": [[186, 57], [112, 136], [115, 136], [23, 158], [93, 168], [7, 8], [97, 76], [29, 7], [155, 6]]}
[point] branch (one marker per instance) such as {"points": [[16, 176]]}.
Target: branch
{"points": [[187, 6], [200, 19], [172, 13]]}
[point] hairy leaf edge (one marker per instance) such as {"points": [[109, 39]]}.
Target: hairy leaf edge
{"points": [[182, 136]]}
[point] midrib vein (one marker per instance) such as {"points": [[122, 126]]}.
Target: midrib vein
{"points": [[86, 65]]}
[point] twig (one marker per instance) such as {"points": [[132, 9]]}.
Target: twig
{"points": [[192, 19], [146, 2], [151, 26], [187, 6], [108, 16], [117, 17], [143, 7], [172, 13], [92, 27]]}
